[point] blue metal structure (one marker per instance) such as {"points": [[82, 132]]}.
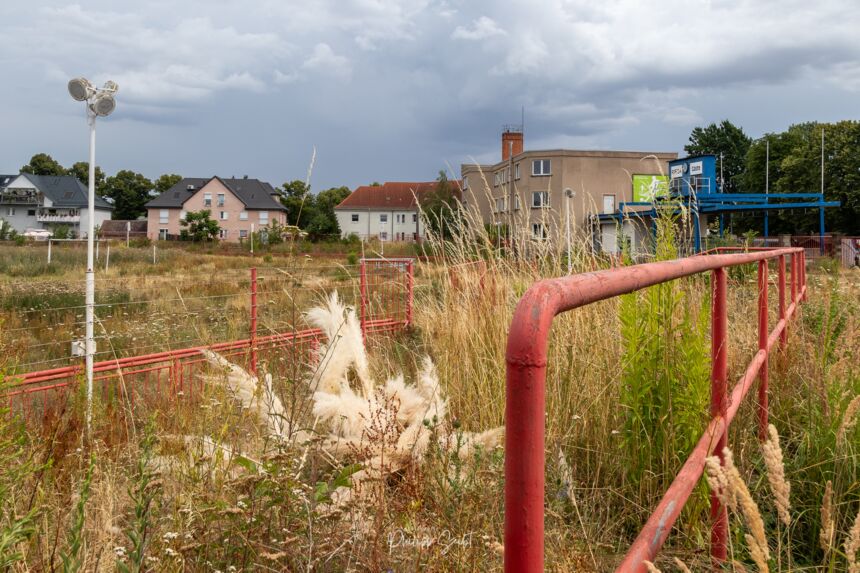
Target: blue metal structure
{"points": [[693, 182]]}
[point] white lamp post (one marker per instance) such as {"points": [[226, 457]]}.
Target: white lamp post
{"points": [[570, 194], [100, 102]]}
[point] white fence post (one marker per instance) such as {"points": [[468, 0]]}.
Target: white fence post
{"points": [[49, 251], [107, 258]]}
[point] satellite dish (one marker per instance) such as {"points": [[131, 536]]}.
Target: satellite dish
{"points": [[81, 89], [103, 104]]}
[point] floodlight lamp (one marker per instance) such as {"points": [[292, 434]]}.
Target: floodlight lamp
{"points": [[569, 193], [103, 104], [110, 86], [81, 89]]}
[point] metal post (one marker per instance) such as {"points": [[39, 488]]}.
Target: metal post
{"points": [[153, 254], [410, 268], [127, 233], [254, 321], [794, 271], [762, 346], [766, 186], [90, 344], [783, 336], [97, 250], [821, 209], [49, 251], [363, 293], [107, 258], [803, 275], [719, 404], [569, 194], [252, 239]]}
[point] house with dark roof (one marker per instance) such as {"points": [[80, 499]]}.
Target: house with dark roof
{"points": [[46, 201], [240, 206], [388, 212]]}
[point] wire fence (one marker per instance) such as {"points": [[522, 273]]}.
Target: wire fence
{"points": [[150, 329]]}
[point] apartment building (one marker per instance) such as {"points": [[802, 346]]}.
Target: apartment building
{"points": [[49, 201], [530, 191], [389, 212], [236, 204]]}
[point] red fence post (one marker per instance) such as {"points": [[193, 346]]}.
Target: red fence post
{"points": [[410, 286], [803, 275], [794, 277], [783, 336], [762, 346], [254, 321], [719, 404], [363, 294]]}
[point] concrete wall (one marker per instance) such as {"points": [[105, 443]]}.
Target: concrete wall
{"points": [[401, 225], [231, 226]]}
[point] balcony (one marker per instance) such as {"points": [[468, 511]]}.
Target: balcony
{"points": [[69, 217]]}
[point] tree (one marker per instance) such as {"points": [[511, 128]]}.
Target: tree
{"points": [[81, 170], [199, 226], [727, 141], [167, 181], [130, 192], [43, 164], [324, 221], [440, 207], [296, 197]]}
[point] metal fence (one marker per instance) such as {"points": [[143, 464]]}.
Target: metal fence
{"points": [[526, 357], [263, 306]]}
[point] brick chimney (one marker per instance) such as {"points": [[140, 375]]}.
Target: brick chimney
{"points": [[512, 142]]}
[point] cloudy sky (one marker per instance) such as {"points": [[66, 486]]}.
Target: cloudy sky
{"points": [[396, 90]]}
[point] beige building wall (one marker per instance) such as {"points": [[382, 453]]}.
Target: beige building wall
{"points": [[232, 217], [600, 179]]}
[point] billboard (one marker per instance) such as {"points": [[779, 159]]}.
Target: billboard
{"points": [[647, 187]]}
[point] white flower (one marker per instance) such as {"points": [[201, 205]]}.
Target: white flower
{"points": [[169, 536], [170, 552], [119, 550]]}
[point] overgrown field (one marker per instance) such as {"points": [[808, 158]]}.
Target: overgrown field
{"points": [[343, 465]]}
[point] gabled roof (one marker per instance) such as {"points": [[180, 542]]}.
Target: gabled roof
{"points": [[65, 191], [392, 195], [253, 193], [6, 179]]}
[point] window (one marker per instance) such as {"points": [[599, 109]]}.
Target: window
{"points": [[31, 212], [163, 216], [243, 234], [501, 206], [355, 217], [10, 211], [220, 199], [465, 182], [516, 201], [538, 231], [383, 218], [224, 215], [264, 217], [207, 199], [162, 234], [182, 215], [609, 204], [222, 233], [541, 167], [383, 236], [414, 217], [540, 199], [243, 216], [517, 171]]}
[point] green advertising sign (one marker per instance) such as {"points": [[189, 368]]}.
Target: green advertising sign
{"points": [[647, 187]]}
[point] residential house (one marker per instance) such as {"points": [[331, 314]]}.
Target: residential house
{"points": [[48, 201], [526, 190], [238, 205], [388, 212]]}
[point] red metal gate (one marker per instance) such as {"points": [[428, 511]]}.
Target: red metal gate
{"points": [[526, 358], [386, 287]]}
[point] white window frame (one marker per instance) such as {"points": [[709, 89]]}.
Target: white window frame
{"points": [[264, 217], [207, 199], [221, 199], [243, 215], [182, 215], [383, 236], [539, 231], [544, 199], [222, 233], [605, 196], [163, 216], [354, 217], [541, 167], [516, 201], [414, 217], [225, 215], [383, 217], [243, 233], [517, 171], [10, 212], [162, 234]]}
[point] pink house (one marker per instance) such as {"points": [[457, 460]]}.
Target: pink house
{"points": [[237, 204]]}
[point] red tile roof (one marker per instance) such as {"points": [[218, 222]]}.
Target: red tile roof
{"points": [[391, 195]]}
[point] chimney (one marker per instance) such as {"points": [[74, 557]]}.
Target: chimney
{"points": [[512, 141]]}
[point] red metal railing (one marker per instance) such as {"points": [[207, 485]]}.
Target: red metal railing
{"points": [[386, 305], [528, 342]]}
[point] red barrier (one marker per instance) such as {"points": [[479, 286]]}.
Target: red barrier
{"points": [[526, 357]]}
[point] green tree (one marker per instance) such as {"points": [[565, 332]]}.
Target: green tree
{"points": [[198, 226], [130, 192], [726, 140], [296, 197], [43, 164], [167, 181], [81, 170], [324, 222], [440, 207]]}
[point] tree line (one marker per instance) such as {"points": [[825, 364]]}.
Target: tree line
{"points": [[794, 167]]}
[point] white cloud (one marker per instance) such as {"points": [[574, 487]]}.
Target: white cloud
{"points": [[324, 60], [482, 29]]}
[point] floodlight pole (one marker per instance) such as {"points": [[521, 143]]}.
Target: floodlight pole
{"points": [[569, 194], [91, 278]]}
